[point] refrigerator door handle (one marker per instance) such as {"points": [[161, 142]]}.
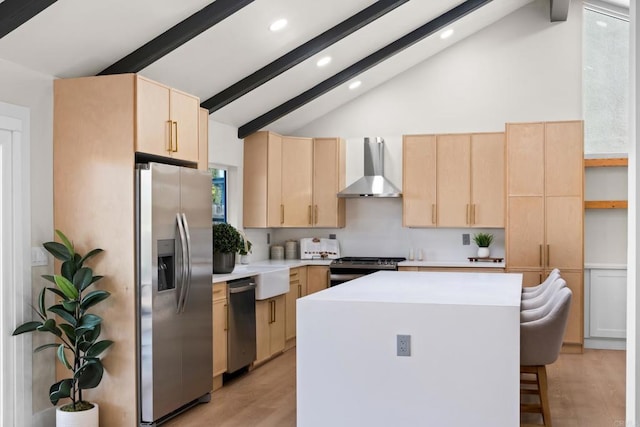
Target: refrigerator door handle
{"points": [[183, 275], [189, 261]]}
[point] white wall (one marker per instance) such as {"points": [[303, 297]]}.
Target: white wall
{"points": [[26, 88]]}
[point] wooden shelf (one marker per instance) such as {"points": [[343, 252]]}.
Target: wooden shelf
{"points": [[606, 204], [594, 163]]}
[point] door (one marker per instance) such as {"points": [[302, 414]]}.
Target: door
{"points": [[525, 233], [297, 162], [454, 180], [564, 159], [153, 123], [564, 231], [185, 110], [160, 270], [326, 182], [525, 159], [575, 324], [487, 180], [419, 181], [196, 318]]}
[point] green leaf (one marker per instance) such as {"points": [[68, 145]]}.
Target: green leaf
{"points": [[45, 346], [90, 374], [70, 306], [58, 250], [60, 390], [62, 357], [27, 327], [62, 312], [65, 241], [95, 279], [93, 298], [88, 322], [43, 311], [91, 254], [57, 291], [82, 278], [67, 288], [68, 269], [84, 345], [92, 335], [98, 348], [69, 331], [50, 326]]}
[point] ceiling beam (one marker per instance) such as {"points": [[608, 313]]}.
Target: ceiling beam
{"points": [[14, 13], [559, 10], [176, 36], [359, 67], [301, 53]]}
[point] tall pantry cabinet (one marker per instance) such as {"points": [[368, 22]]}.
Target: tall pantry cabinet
{"points": [[99, 126], [545, 209]]}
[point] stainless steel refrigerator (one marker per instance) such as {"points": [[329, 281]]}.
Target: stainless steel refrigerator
{"points": [[174, 248]]}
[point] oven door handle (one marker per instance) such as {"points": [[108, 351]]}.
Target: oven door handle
{"points": [[344, 277]]}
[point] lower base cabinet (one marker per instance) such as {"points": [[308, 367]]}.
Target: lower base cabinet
{"points": [[317, 278], [270, 327], [220, 327], [297, 289]]}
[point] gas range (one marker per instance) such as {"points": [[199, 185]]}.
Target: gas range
{"points": [[348, 268]]}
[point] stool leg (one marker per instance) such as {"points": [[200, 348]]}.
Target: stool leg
{"points": [[544, 395]]}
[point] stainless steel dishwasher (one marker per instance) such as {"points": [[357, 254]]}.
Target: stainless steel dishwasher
{"points": [[241, 345]]}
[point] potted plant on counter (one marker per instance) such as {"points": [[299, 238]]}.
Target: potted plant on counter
{"points": [[227, 242], [76, 331], [483, 240]]}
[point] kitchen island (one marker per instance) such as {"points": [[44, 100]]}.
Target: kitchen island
{"points": [[463, 367]]}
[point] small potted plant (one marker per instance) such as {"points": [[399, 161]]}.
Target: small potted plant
{"points": [[483, 240], [76, 331], [245, 249], [227, 242]]}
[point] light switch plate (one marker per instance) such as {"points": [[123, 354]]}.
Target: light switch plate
{"points": [[466, 239], [38, 257]]}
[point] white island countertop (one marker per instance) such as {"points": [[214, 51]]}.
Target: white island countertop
{"points": [[464, 364], [452, 264]]}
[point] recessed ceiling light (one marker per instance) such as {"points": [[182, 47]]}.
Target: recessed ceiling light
{"points": [[355, 85], [323, 61], [278, 25], [601, 24], [446, 33]]}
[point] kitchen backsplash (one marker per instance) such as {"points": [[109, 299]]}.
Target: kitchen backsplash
{"points": [[374, 228]]}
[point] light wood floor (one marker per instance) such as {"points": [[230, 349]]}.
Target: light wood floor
{"points": [[585, 390]]}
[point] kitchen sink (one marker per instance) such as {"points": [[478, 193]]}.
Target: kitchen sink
{"points": [[270, 281]]}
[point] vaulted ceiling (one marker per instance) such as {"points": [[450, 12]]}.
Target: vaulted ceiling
{"points": [[224, 52]]}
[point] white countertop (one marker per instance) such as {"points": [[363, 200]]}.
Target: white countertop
{"points": [[457, 264], [429, 288], [257, 267], [605, 266]]}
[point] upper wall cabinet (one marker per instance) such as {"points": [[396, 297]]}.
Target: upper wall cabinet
{"points": [[167, 121], [453, 180], [293, 181]]}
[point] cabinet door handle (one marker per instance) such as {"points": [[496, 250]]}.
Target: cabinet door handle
{"points": [[316, 214], [540, 256], [473, 213], [226, 317], [176, 149], [310, 216], [540, 275], [170, 149], [433, 213], [328, 279], [281, 214], [468, 214], [548, 256], [274, 311], [299, 291]]}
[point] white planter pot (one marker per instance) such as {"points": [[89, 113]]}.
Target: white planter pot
{"points": [[483, 252], [78, 419]]}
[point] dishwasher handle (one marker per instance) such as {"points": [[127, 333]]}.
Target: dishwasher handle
{"points": [[244, 288]]}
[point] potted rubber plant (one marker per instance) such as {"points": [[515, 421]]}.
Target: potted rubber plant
{"points": [[76, 332], [227, 242], [483, 240]]}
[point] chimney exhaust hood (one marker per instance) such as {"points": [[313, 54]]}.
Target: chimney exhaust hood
{"points": [[373, 183]]}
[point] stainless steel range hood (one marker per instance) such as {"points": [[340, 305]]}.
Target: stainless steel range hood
{"points": [[373, 183]]}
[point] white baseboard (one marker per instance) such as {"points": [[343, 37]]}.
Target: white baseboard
{"points": [[605, 344]]}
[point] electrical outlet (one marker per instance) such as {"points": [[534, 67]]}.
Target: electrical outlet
{"points": [[404, 345], [466, 240], [332, 236]]}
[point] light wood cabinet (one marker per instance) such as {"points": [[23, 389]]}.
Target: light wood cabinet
{"points": [[270, 327], [220, 327], [203, 140], [317, 278], [297, 182], [293, 182], [297, 289], [545, 209], [96, 135], [329, 157], [453, 180], [167, 121], [419, 181]]}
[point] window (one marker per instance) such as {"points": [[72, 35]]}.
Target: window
{"points": [[219, 194], [605, 82]]}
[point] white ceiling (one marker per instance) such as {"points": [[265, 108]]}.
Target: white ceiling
{"points": [[82, 37]]}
